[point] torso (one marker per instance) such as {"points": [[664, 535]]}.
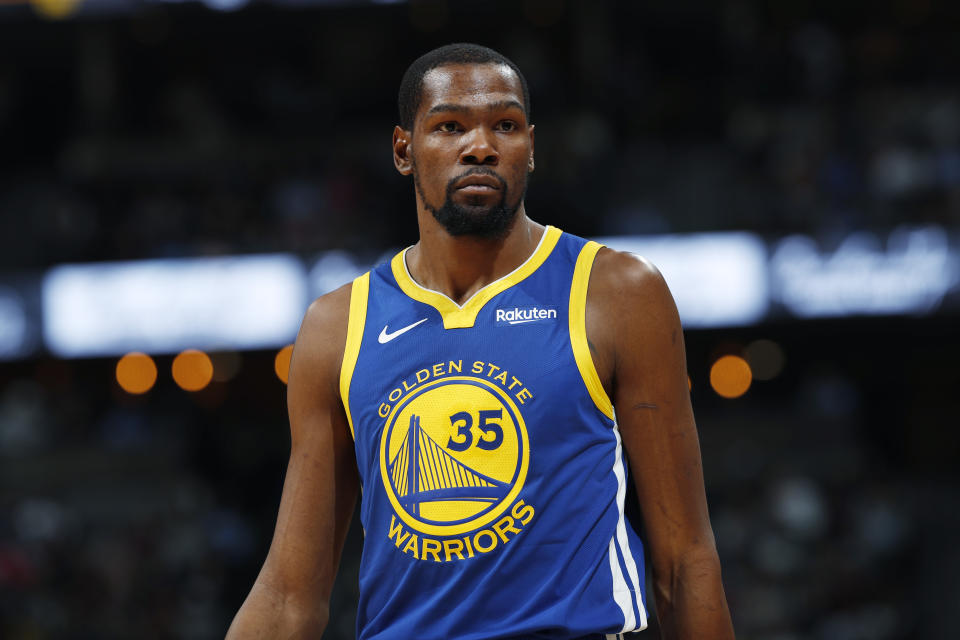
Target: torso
{"points": [[492, 470]]}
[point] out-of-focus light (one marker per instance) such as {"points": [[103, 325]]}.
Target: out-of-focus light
{"points": [[192, 370], [136, 373], [730, 376], [333, 269], [225, 5], [911, 272], [166, 305], [766, 359], [798, 505], [226, 364], [14, 324], [717, 279], [55, 9], [281, 364]]}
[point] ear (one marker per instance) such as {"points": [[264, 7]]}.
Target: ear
{"points": [[530, 163], [402, 147]]}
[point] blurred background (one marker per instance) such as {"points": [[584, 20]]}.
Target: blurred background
{"points": [[179, 179]]}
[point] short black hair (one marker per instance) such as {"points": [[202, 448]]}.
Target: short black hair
{"points": [[411, 87]]}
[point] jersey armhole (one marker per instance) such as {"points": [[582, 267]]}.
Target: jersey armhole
{"points": [[578, 328], [351, 351]]}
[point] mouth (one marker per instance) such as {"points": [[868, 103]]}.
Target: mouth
{"points": [[477, 183]]}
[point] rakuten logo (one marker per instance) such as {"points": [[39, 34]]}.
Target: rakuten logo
{"points": [[521, 316]]}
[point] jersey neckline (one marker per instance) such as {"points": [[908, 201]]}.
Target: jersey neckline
{"points": [[463, 316]]}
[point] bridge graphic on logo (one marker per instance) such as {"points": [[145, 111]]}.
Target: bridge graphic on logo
{"points": [[423, 471]]}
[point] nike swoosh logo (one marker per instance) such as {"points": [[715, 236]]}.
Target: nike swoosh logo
{"points": [[385, 337]]}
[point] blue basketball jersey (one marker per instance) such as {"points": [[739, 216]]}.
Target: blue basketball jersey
{"points": [[492, 471]]}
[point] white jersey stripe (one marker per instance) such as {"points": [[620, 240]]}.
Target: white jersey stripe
{"points": [[619, 469], [621, 591]]}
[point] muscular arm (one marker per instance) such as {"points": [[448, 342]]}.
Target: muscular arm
{"points": [[290, 598], [637, 345]]}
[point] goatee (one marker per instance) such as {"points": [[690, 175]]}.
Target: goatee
{"points": [[481, 221]]}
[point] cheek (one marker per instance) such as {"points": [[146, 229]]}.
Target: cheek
{"points": [[430, 178], [521, 168], [520, 157], [432, 149]]}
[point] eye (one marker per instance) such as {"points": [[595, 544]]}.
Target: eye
{"points": [[448, 127], [507, 125]]}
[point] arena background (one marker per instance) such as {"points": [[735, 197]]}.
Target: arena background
{"points": [[186, 175]]}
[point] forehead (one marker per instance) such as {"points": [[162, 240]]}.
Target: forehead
{"points": [[469, 85]]}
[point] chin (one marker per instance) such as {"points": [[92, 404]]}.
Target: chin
{"points": [[476, 221]]}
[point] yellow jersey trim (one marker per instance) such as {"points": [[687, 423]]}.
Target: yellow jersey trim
{"points": [[578, 328], [351, 351], [457, 316]]}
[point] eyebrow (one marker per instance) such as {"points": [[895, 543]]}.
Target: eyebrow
{"points": [[459, 108]]}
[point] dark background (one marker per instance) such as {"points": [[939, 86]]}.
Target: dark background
{"points": [[131, 130]]}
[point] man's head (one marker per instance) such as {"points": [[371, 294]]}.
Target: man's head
{"points": [[411, 87], [465, 136]]}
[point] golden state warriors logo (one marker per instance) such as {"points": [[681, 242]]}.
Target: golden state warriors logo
{"points": [[453, 458]]}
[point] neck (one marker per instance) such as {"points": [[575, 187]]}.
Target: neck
{"points": [[459, 266]]}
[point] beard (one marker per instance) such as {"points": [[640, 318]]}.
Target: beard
{"points": [[478, 220]]}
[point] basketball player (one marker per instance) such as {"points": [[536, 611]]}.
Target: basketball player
{"points": [[486, 391]]}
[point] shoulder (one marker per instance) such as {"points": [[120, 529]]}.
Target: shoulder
{"points": [[630, 314], [318, 350], [627, 282], [327, 312]]}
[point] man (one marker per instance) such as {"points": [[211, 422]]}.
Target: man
{"points": [[469, 387]]}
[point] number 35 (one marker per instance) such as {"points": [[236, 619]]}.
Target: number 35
{"points": [[492, 432]]}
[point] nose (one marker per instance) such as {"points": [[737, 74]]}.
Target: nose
{"points": [[479, 148]]}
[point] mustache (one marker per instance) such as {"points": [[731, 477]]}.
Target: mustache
{"points": [[481, 171]]}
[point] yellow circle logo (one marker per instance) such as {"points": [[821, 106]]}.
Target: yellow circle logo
{"points": [[453, 455]]}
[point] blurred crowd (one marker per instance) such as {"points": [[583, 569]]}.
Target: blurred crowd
{"points": [[149, 516], [125, 516], [178, 131]]}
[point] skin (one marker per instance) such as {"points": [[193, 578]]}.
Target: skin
{"points": [[635, 337], [471, 116]]}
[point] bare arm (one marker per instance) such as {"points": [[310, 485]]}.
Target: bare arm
{"points": [[637, 344], [290, 598]]}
